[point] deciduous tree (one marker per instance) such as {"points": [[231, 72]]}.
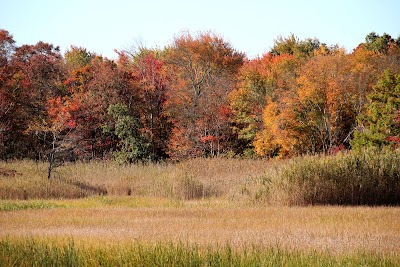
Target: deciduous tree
{"points": [[7, 103], [203, 70], [291, 45], [38, 77], [150, 81], [133, 145], [315, 117], [268, 77], [93, 88]]}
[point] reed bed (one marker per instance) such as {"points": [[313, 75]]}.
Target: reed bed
{"points": [[368, 177], [195, 179]]}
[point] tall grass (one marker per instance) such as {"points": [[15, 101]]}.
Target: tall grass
{"points": [[194, 179], [30, 182], [368, 177], [44, 253]]}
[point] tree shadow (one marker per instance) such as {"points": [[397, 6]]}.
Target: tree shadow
{"points": [[95, 190]]}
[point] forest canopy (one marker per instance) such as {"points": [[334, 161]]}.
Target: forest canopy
{"points": [[197, 97]]}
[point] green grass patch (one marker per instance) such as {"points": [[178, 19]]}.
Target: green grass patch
{"points": [[30, 252], [10, 205], [111, 202], [120, 201], [89, 202]]}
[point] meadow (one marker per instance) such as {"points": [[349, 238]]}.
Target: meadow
{"points": [[308, 211]]}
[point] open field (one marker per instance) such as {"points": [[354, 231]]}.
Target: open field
{"points": [[335, 229], [312, 234], [219, 212]]}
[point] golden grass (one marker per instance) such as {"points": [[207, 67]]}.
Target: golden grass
{"points": [[369, 177], [335, 229], [231, 179], [206, 202]]}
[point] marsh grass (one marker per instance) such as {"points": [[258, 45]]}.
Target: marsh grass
{"points": [[190, 180], [339, 230], [30, 252], [31, 183], [368, 177], [229, 212]]}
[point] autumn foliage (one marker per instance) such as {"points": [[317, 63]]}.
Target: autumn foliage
{"points": [[197, 97], [202, 72]]}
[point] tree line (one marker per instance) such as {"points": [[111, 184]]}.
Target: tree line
{"points": [[197, 97]]}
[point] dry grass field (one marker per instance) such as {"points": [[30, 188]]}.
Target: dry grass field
{"points": [[334, 229], [231, 179], [204, 212]]}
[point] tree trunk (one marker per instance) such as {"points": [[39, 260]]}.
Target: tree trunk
{"points": [[51, 165]]}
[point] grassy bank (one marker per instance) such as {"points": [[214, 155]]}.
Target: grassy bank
{"points": [[44, 253]]}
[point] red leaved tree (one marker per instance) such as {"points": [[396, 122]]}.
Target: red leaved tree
{"points": [[7, 104], [202, 69]]}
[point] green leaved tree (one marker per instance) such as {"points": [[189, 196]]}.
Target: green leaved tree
{"points": [[379, 125], [133, 146]]}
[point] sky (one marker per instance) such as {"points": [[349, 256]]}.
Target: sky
{"points": [[250, 26]]}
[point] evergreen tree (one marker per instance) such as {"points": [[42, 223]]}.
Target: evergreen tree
{"points": [[380, 124]]}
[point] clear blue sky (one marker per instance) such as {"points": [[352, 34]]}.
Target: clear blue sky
{"points": [[250, 26]]}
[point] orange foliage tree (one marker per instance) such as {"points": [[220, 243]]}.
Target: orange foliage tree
{"points": [[202, 69], [319, 113], [268, 77], [38, 77], [93, 88]]}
